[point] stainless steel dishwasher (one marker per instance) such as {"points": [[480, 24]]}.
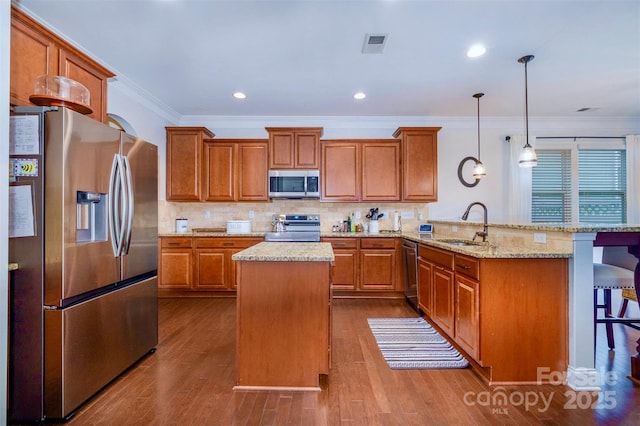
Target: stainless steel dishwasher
{"points": [[409, 262]]}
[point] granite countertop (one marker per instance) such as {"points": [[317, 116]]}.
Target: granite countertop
{"points": [[300, 251], [559, 227], [287, 252], [485, 250]]}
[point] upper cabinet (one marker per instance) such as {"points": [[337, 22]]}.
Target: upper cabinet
{"points": [[235, 170], [294, 147], [184, 162], [36, 51], [419, 163], [360, 170]]}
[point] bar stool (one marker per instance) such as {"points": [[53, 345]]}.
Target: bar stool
{"points": [[614, 273]]}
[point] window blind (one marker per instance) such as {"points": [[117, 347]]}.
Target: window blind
{"points": [[551, 187], [602, 177]]}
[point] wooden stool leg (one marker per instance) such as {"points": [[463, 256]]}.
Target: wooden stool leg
{"points": [[607, 314], [623, 307]]}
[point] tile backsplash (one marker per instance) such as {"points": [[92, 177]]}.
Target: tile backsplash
{"points": [[214, 215]]}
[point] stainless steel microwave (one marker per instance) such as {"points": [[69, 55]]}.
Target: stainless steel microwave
{"points": [[294, 184]]}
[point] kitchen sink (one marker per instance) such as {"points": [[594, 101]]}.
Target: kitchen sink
{"points": [[462, 242]]}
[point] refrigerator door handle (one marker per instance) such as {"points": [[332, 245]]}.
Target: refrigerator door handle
{"points": [[117, 205], [130, 205], [113, 182]]}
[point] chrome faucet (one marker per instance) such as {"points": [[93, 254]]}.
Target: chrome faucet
{"points": [[485, 231]]}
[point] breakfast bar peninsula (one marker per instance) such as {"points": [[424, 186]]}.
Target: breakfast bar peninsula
{"points": [[283, 315]]}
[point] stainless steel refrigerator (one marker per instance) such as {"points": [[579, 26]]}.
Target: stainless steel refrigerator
{"points": [[83, 229]]}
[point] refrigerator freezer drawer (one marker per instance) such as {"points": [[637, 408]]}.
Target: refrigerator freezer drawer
{"points": [[89, 344]]}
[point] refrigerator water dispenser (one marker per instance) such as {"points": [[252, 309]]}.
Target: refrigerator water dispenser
{"points": [[91, 217]]}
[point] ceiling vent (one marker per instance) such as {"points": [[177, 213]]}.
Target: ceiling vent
{"points": [[374, 43]]}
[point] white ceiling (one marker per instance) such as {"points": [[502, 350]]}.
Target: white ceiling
{"points": [[304, 57]]}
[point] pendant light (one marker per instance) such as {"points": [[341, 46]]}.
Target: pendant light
{"points": [[528, 157], [478, 170]]}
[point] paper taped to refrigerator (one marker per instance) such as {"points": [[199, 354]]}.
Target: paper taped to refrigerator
{"points": [[21, 219], [24, 136]]}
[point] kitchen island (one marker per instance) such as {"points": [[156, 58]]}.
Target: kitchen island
{"points": [[283, 315], [579, 241]]}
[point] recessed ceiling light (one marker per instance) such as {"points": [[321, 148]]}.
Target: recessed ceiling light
{"points": [[239, 95], [476, 50], [359, 95]]}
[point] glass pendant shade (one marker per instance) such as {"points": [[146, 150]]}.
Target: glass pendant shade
{"points": [[528, 157], [479, 171]]}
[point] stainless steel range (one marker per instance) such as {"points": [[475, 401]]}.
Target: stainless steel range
{"points": [[295, 227]]}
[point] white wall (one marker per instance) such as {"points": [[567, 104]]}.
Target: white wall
{"points": [[146, 115]]}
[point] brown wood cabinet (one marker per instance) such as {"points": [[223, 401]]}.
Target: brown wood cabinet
{"points": [[442, 286], [184, 162], [294, 147], [340, 172], [345, 266], [494, 309], [214, 268], [380, 170], [419, 163], [235, 170], [366, 267], [360, 170], [378, 264], [36, 51], [175, 263], [467, 314], [190, 265], [425, 286]]}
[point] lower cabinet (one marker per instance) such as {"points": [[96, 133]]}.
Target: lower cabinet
{"points": [[437, 275], [345, 265], [195, 264], [378, 264], [214, 269], [467, 315], [366, 266], [175, 263], [425, 286], [494, 309]]}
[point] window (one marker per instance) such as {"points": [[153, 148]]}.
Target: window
{"points": [[598, 195]]}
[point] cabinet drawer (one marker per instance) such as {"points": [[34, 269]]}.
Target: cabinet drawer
{"points": [[342, 243], [224, 242], [435, 255], [175, 242], [378, 243], [468, 266]]}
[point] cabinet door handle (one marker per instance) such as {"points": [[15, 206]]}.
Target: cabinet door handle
{"points": [[228, 243], [173, 244], [339, 244], [465, 267], [378, 245]]}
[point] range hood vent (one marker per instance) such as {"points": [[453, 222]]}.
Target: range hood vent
{"points": [[374, 43]]}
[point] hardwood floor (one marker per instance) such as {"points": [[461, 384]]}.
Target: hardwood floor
{"points": [[189, 380]]}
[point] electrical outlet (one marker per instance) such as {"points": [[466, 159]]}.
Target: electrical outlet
{"points": [[454, 228], [207, 214], [420, 216], [358, 215], [406, 215], [539, 237], [251, 214]]}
